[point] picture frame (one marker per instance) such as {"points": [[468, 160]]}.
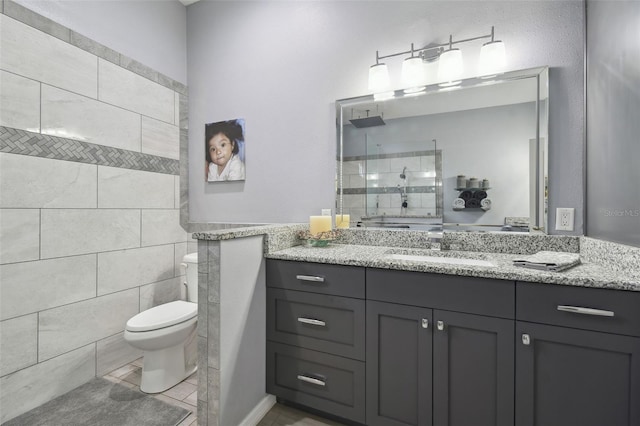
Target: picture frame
{"points": [[225, 152]]}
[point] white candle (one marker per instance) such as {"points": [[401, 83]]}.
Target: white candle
{"points": [[342, 220], [318, 224]]}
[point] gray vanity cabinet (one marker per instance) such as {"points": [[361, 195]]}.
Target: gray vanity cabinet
{"points": [[435, 366], [473, 370], [577, 356], [399, 365], [316, 336]]}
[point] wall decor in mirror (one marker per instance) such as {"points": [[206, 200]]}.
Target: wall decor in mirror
{"points": [[470, 157]]}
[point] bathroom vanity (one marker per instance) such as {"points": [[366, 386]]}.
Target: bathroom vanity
{"points": [[380, 330], [395, 342]]}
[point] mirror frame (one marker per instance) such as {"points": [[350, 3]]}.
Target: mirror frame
{"points": [[538, 189]]}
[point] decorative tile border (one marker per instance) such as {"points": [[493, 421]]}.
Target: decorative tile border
{"points": [[86, 152], [15, 141], [427, 189], [393, 155]]}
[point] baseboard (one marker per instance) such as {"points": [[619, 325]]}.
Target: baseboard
{"points": [[259, 411]]}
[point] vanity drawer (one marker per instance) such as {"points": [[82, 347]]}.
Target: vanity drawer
{"points": [[612, 311], [483, 296], [321, 322], [325, 382], [316, 278]]}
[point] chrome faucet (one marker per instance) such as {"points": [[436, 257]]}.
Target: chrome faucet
{"points": [[435, 238]]}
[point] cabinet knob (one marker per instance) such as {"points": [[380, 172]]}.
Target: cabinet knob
{"points": [[526, 339], [425, 323], [440, 325]]}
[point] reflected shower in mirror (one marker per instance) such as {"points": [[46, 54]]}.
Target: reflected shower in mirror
{"points": [[472, 158]]}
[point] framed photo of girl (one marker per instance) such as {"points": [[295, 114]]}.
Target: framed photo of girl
{"points": [[224, 151]]}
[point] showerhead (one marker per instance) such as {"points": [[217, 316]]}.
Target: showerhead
{"points": [[368, 121], [403, 175]]}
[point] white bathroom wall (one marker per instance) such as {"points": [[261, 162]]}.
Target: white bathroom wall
{"points": [[243, 304], [89, 210], [282, 64]]}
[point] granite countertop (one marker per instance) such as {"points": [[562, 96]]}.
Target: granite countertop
{"points": [[603, 264], [587, 274]]}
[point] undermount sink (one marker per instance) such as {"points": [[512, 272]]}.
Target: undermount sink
{"points": [[447, 259]]}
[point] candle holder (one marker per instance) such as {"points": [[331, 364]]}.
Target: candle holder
{"points": [[320, 239]]}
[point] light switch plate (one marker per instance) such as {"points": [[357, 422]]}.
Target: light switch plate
{"points": [[564, 219]]}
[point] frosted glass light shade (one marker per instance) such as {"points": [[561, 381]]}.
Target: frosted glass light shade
{"points": [[431, 71], [451, 67], [493, 58], [378, 78], [413, 72]]}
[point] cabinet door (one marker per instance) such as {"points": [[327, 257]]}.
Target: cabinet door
{"points": [[399, 362], [473, 370], [571, 377]]}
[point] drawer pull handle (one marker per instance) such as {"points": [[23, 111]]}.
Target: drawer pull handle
{"points": [[440, 325], [585, 311], [311, 380], [425, 323], [311, 278], [312, 321], [526, 339]]}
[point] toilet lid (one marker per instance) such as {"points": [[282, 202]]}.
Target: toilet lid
{"points": [[162, 316]]}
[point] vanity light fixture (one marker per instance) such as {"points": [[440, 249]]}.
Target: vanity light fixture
{"points": [[451, 66], [378, 76], [493, 58], [418, 69], [413, 73]]}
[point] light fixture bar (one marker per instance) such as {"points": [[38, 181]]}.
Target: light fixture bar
{"points": [[418, 67], [435, 46]]}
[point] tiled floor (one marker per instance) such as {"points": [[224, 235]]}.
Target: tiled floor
{"points": [[282, 415], [185, 395]]}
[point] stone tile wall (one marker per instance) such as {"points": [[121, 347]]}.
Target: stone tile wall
{"points": [[370, 185], [89, 205]]}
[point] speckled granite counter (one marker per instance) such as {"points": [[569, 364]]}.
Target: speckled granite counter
{"points": [[586, 274], [604, 264]]}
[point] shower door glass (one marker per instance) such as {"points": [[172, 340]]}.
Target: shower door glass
{"points": [[403, 183]]}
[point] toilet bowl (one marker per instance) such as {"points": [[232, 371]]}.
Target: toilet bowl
{"points": [[167, 335]]}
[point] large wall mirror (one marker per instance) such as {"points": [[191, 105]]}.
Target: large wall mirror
{"points": [[469, 157]]}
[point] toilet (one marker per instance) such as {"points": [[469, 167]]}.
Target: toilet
{"points": [[167, 335]]}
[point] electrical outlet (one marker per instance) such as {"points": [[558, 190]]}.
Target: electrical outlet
{"points": [[564, 219]]}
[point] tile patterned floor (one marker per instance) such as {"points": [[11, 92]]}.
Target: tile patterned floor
{"points": [[185, 395], [282, 415]]}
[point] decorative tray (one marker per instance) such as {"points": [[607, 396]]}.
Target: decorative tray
{"points": [[321, 239]]}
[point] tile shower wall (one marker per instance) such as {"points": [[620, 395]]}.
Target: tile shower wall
{"points": [[89, 209], [383, 177]]}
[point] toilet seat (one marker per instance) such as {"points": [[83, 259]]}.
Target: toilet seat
{"points": [[163, 316]]}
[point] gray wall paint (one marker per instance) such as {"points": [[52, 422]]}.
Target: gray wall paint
{"points": [[281, 66], [150, 31], [613, 128]]}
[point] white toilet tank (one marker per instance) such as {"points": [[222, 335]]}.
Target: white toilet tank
{"points": [[190, 263]]}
